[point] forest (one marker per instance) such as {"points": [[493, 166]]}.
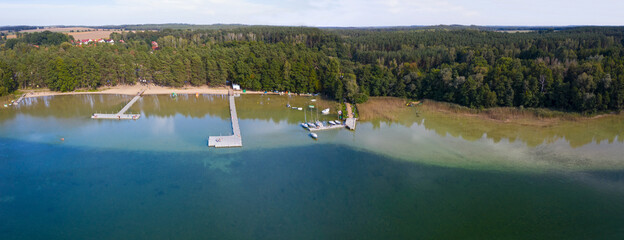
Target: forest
{"points": [[578, 69]]}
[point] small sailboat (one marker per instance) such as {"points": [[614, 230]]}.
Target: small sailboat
{"points": [[318, 123], [313, 100], [311, 125], [313, 135], [332, 122], [299, 109], [305, 119], [325, 111]]}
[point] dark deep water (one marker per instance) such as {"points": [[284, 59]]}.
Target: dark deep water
{"points": [[324, 190]]}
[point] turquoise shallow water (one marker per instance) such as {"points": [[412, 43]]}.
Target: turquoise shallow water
{"points": [[166, 184]]}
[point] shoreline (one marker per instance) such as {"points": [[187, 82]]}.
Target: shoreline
{"points": [[391, 106]]}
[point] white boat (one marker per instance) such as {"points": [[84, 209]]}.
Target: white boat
{"points": [[313, 135], [325, 111], [294, 107], [319, 124], [313, 100], [299, 109], [305, 125], [311, 125], [332, 122]]}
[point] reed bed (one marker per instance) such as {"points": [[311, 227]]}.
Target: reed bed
{"points": [[393, 109], [502, 113], [388, 108]]}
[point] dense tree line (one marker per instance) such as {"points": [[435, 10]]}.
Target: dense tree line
{"points": [[578, 69], [16, 28], [38, 38]]}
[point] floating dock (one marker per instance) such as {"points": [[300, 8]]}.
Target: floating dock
{"points": [[328, 127], [233, 140], [121, 115]]}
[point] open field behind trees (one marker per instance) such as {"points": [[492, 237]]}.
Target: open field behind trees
{"points": [[60, 29], [93, 35], [76, 32]]}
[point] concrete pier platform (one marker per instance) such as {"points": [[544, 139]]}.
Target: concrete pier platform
{"points": [[351, 122]]}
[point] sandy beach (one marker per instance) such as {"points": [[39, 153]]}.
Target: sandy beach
{"points": [[134, 89]]}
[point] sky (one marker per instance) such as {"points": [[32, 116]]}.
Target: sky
{"points": [[321, 13]]}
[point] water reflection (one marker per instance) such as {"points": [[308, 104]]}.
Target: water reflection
{"points": [[183, 123], [605, 130]]}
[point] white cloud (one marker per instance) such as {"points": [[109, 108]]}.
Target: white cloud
{"points": [[313, 12]]}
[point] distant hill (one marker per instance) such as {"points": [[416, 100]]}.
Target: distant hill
{"points": [[454, 27], [172, 26]]}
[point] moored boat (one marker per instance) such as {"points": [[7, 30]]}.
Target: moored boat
{"points": [[325, 111], [313, 135], [319, 124]]}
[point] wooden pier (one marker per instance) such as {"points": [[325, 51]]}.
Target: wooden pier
{"points": [[233, 140], [121, 115], [19, 100]]}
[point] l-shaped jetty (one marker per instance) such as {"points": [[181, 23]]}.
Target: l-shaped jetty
{"points": [[233, 140]]}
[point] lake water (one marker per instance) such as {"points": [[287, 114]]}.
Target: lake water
{"points": [[426, 176]]}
